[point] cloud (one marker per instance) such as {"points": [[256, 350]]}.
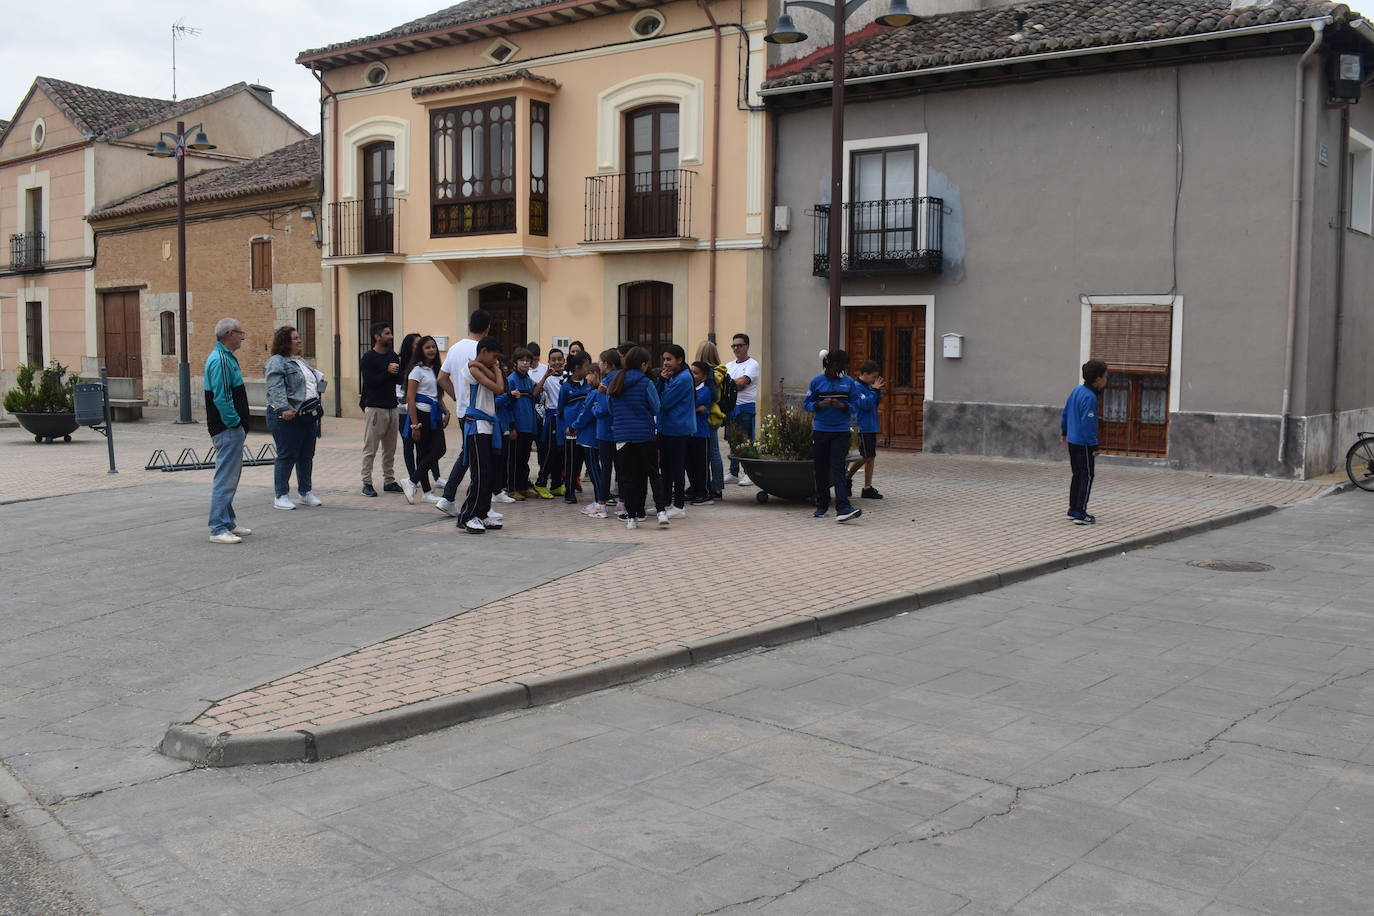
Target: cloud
{"points": [[127, 47]]}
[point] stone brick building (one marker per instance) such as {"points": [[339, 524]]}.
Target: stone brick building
{"points": [[251, 252]]}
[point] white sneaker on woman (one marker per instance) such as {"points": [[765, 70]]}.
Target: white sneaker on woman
{"points": [[675, 512], [744, 480], [630, 523], [663, 519], [433, 496], [310, 499], [283, 502], [408, 489]]}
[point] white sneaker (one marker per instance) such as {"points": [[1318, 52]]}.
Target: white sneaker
{"points": [[600, 513], [475, 526], [433, 497], [241, 531], [675, 512], [630, 523], [225, 537], [283, 502], [441, 482], [310, 499], [408, 489], [503, 497], [663, 519], [492, 514], [731, 478], [744, 480], [446, 507]]}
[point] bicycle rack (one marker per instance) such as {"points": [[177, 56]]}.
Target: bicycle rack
{"points": [[189, 460]]}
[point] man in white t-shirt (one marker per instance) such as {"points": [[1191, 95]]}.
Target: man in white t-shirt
{"points": [[449, 374], [744, 369]]}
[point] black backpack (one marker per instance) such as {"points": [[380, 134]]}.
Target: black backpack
{"points": [[729, 395]]}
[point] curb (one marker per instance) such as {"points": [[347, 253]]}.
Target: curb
{"points": [[202, 746], [54, 840]]}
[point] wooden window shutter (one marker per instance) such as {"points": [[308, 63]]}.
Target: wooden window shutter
{"points": [[1133, 338], [262, 263]]}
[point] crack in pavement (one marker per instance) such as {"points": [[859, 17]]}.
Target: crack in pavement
{"points": [[893, 842], [1288, 750], [82, 796]]}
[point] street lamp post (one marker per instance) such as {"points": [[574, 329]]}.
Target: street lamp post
{"points": [[162, 151], [786, 32]]}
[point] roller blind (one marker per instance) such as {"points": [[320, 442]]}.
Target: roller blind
{"points": [[1132, 338]]}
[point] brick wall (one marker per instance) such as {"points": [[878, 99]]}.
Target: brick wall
{"points": [[218, 282]]}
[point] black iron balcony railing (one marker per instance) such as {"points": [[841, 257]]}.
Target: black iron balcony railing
{"points": [[639, 205], [359, 227], [902, 235], [28, 250]]}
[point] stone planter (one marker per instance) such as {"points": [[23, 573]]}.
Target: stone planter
{"points": [[48, 427], [792, 480]]}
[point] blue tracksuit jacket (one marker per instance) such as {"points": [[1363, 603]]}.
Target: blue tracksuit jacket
{"points": [[865, 406], [830, 419], [677, 406], [1078, 421], [524, 419]]}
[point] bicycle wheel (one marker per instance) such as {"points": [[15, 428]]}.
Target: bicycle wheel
{"points": [[1359, 464]]}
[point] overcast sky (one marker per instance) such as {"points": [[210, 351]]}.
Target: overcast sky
{"points": [[126, 47]]}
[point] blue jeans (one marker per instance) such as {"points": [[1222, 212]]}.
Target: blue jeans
{"points": [[228, 469], [295, 441], [742, 419], [829, 450], [717, 465]]}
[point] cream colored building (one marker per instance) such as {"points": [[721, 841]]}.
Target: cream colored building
{"points": [[69, 150], [585, 171]]}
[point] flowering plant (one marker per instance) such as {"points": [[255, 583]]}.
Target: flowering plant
{"points": [[784, 435]]}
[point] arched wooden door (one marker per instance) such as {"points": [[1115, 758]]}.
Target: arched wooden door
{"points": [[508, 304], [894, 336]]}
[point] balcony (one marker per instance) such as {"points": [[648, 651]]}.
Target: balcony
{"points": [[364, 228], [630, 206], [898, 236], [488, 216], [28, 250]]}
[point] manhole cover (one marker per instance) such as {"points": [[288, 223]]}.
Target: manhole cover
{"points": [[1232, 565]]}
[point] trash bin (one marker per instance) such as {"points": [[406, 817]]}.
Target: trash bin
{"points": [[89, 398]]}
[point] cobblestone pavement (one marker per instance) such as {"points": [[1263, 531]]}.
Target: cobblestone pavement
{"points": [[943, 518]]}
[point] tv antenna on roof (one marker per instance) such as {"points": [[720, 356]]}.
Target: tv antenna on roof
{"points": [[179, 30]]}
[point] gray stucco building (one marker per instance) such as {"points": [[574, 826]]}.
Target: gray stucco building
{"points": [[1030, 186]]}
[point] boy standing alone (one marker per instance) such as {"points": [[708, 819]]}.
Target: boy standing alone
{"points": [[1078, 428]]}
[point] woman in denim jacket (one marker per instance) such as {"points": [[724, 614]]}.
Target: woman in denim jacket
{"points": [[291, 384]]}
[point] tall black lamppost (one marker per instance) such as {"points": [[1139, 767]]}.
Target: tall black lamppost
{"points": [[786, 32], [162, 151]]}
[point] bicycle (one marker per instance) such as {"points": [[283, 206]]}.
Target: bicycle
{"points": [[1359, 462]]}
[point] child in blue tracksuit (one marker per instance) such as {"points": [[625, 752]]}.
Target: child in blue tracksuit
{"points": [[676, 424], [698, 452], [587, 421], [519, 397], [867, 395], [571, 395], [611, 363], [831, 397], [1078, 429], [634, 406]]}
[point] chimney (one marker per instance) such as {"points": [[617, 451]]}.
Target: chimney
{"points": [[261, 91]]}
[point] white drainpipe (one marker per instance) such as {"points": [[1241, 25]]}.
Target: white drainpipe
{"points": [[1295, 233]]}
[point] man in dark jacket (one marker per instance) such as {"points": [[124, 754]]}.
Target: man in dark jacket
{"points": [[226, 416], [380, 369]]}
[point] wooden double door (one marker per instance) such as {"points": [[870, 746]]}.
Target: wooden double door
{"points": [[895, 337], [509, 308], [123, 346]]}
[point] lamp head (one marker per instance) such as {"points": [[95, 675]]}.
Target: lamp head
{"points": [[203, 142], [160, 150], [897, 15], [785, 32]]}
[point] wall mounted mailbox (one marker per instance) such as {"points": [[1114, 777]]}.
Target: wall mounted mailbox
{"points": [[953, 346]]}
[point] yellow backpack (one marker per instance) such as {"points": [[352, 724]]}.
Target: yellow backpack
{"points": [[715, 416]]}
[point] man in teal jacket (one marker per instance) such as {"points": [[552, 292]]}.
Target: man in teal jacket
{"points": [[226, 415]]}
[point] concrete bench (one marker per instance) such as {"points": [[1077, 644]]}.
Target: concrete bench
{"points": [[125, 404], [256, 389]]}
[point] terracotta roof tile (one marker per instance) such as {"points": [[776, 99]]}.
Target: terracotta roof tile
{"points": [[291, 166], [459, 13], [1054, 25]]}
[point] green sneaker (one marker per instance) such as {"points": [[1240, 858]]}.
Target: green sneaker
{"points": [[543, 492], [558, 491]]}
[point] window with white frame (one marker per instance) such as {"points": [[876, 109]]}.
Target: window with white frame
{"points": [[1361, 168]]}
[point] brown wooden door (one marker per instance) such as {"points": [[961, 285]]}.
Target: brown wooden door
{"points": [[123, 347], [651, 180], [509, 310], [379, 189], [896, 338], [1135, 414]]}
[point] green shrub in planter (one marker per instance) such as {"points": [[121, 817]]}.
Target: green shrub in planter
{"points": [[50, 395]]}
